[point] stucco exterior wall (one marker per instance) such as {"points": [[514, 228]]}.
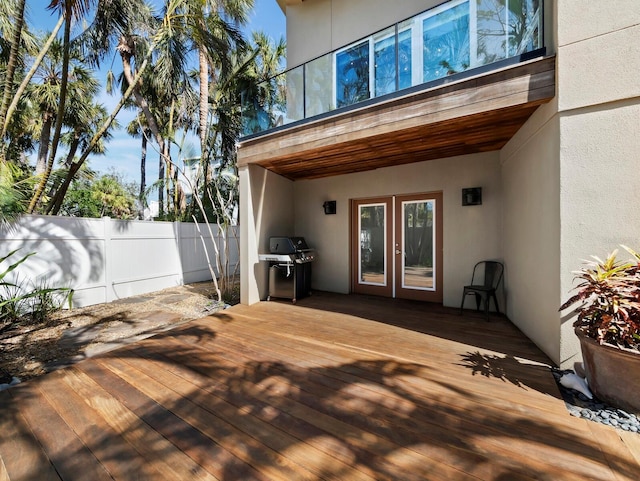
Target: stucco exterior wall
{"points": [[266, 209], [599, 118], [316, 27], [531, 233], [320, 26], [471, 233], [574, 166]]}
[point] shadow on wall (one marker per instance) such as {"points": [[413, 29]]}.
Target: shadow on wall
{"points": [[69, 252]]}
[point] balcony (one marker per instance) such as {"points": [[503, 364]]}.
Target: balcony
{"points": [[459, 78]]}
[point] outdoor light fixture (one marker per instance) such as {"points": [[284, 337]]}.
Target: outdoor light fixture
{"points": [[329, 207], [472, 196]]}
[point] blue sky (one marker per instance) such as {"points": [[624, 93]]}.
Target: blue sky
{"points": [[123, 151]]}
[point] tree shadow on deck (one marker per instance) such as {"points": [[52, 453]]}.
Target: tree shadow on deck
{"points": [[512, 370], [242, 405], [470, 328]]}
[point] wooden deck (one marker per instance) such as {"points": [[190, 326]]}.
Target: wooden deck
{"points": [[335, 387]]}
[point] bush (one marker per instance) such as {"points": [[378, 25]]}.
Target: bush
{"points": [[21, 301], [609, 300]]}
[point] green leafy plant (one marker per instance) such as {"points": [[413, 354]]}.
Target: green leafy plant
{"points": [[21, 302], [608, 300]]}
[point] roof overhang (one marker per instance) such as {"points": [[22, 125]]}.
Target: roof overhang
{"points": [[478, 114], [283, 4]]}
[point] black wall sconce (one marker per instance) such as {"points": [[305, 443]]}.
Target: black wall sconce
{"points": [[329, 207], [472, 196]]}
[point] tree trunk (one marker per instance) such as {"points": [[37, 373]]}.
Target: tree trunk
{"points": [[60, 115], [62, 191], [25, 81], [73, 148], [161, 187], [204, 100], [143, 172], [43, 149], [11, 64], [75, 167], [126, 48], [126, 52]]}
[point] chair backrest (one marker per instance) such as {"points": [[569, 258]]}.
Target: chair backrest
{"points": [[492, 273]]}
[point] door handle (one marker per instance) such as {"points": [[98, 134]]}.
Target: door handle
{"points": [[398, 251]]}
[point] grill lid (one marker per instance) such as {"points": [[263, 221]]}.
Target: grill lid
{"points": [[287, 245]]}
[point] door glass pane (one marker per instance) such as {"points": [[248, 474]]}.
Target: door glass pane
{"points": [[352, 75], [372, 265], [446, 42], [418, 233]]}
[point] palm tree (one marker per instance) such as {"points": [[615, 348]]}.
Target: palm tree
{"points": [[113, 197], [12, 62], [83, 125], [46, 95], [137, 128], [113, 20], [13, 192], [27, 41], [222, 39], [70, 10]]}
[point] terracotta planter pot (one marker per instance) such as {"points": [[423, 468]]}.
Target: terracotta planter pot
{"points": [[613, 374]]}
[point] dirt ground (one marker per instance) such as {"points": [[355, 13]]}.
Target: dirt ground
{"points": [[72, 335]]}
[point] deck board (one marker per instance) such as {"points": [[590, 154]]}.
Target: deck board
{"points": [[335, 387]]}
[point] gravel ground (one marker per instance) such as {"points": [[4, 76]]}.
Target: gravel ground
{"points": [[595, 410], [27, 351]]}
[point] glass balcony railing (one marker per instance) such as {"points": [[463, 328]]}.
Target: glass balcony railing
{"points": [[447, 40]]}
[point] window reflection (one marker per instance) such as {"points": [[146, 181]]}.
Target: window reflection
{"points": [[372, 244], [446, 43], [446, 40], [352, 70]]}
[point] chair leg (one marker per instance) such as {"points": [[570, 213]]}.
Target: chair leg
{"points": [[464, 296], [487, 300], [495, 301]]}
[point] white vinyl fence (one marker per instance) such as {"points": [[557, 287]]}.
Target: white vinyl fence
{"points": [[105, 259]]}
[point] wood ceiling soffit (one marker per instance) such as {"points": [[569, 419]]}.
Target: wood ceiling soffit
{"points": [[476, 115]]}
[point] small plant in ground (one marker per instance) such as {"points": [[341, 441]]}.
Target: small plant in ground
{"points": [[33, 303], [231, 294], [608, 300], [12, 305], [45, 300]]}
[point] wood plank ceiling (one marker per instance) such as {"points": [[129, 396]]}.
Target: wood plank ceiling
{"points": [[478, 114]]}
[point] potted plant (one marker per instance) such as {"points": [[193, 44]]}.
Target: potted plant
{"points": [[608, 327]]}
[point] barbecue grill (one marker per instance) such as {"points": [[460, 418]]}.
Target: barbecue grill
{"points": [[289, 267]]}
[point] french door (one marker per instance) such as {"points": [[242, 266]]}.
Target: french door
{"points": [[397, 246]]}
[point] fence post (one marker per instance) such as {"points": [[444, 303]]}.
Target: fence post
{"points": [[107, 260], [177, 234]]}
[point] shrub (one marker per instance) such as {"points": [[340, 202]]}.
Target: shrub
{"points": [[608, 300], [34, 302]]}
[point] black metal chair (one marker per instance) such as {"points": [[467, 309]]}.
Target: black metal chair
{"points": [[484, 289]]}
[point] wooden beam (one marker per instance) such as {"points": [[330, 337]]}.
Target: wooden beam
{"points": [[464, 117]]}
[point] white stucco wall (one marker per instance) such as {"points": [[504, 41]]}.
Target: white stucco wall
{"points": [[599, 112], [320, 26], [471, 233], [266, 209], [531, 234], [317, 27], [577, 160]]}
